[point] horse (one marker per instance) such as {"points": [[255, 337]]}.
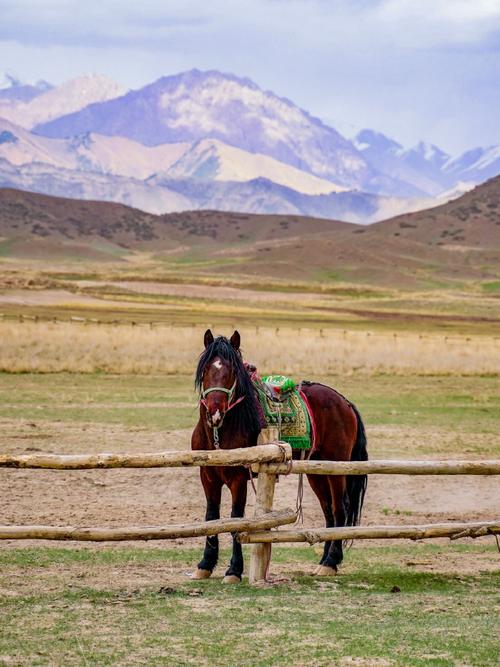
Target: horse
{"points": [[230, 417]]}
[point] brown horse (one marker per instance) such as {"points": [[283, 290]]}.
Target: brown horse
{"points": [[230, 418]]}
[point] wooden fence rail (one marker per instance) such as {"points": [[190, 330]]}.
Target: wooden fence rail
{"points": [[269, 460], [381, 467], [266, 521], [419, 532], [167, 459]]}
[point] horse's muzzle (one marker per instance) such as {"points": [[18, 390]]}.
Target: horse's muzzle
{"points": [[215, 418]]}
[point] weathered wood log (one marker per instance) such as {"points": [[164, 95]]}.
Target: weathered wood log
{"points": [[260, 555], [167, 459], [268, 520], [418, 532], [384, 467]]}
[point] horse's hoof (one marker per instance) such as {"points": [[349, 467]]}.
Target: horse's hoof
{"points": [[231, 579], [326, 571], [201, 574]]}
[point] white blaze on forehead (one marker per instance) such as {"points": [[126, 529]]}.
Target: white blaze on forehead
{"points": [[217, 363]]}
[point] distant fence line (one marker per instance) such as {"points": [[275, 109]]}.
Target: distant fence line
{"points": [[321, 331]]}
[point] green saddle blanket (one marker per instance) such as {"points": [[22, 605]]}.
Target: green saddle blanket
{"points": [[284, 407]]}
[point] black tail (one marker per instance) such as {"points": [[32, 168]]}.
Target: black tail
{"points": [[356, 484]]}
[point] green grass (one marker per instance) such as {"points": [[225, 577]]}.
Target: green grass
{"points": [[492, 287], [303, 621], [467, 308], [469, 404], [466, 405], [6, 248]]}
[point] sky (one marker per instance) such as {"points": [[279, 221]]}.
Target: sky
{"points": [[413, 69]]}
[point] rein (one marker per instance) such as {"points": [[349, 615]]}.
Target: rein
{"points": [[231, 404]]}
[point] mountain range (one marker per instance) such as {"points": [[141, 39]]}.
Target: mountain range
{"points": [[213, 140]]}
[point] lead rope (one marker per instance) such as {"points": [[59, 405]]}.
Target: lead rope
{"points": [[300, 486], [300, 493], [250, 477]]}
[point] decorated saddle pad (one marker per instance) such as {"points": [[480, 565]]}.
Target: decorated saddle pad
{"points": [[284, 407]]}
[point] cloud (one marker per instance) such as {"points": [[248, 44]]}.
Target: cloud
{"points": [[414, 68], [319, 23]]}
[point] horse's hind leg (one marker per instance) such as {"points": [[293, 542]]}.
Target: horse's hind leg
{"points": [[238, 488], [338, 491], [212, 486], [320, 486]]}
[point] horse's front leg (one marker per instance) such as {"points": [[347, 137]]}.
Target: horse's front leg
{"points": [[212, 485], [238, 488]]}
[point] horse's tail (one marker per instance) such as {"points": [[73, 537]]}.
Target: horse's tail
{"points": [[356, 484]]}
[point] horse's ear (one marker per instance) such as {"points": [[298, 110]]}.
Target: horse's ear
{"points": [[208, 338], [235, 340]]}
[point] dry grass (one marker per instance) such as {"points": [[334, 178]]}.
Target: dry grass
{"points": [[49, 347]]}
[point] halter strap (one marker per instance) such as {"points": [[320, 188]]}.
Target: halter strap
{"points": [[231, 404], [229, 392]]}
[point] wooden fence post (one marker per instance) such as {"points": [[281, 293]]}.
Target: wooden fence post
{"points": [[260, 554]]}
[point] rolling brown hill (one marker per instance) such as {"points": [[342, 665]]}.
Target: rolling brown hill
{"points": [[449, 244], [458, 241], [45, 221], [471, 221]]}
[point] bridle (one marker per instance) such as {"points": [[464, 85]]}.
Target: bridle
{"points": [[230, 404]]}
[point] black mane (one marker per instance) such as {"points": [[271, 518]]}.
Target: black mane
{"points": [[244, 415]]}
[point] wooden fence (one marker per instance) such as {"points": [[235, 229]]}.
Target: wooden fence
{"points": [[166, 324], [269, 460]]}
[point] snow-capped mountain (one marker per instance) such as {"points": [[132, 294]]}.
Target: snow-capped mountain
{"points": [[211, 159], [428, 160], [207, 139], [175, 177], [204, 160], [89, 152], [427, 167], [476, 165], [421, 166], [13, 90], [198, 105], [62, 100]]}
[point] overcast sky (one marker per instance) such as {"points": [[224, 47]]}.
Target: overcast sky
{"points": [[413, 69]]}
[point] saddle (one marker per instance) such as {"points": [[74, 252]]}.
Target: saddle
{"points": [[285, 409]]}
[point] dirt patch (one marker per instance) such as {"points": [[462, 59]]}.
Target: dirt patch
{"points": [[200, 291], [165, 496]]}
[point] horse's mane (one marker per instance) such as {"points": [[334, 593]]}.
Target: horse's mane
{"points": [[244, 416]]}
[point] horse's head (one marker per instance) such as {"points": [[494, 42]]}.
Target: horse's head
{"points": [[219, 375]]}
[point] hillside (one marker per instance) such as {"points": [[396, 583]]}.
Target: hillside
{"points": [[471, 221], [30, 223], [459, 241]]}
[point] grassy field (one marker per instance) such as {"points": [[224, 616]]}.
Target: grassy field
{"points": [[186, 296], [422, 367], [49, 347], [385, 609], [392, 604], [465, 409]]}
